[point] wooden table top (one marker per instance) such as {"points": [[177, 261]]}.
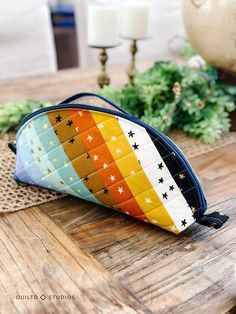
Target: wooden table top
{"points": [[83, 258]]}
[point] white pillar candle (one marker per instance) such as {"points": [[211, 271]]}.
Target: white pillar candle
{"points": [[103, 28], [135, 19]]}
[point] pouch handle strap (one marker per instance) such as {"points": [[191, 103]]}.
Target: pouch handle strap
{"points": [[88, 94]]}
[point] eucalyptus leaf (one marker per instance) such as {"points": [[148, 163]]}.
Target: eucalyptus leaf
{"points": [[201, 109], [11, 114]]}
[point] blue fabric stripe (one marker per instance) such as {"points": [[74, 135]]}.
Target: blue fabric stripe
{"points": [[20, 172]]}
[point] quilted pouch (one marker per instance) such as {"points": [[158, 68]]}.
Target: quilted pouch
{"points": [[90, 148]]}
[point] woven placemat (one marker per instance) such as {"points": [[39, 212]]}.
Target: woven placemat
{"points": [[193, 147], [15, 197]]}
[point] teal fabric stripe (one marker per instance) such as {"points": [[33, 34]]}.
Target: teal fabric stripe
{"points": [[53, 161]]}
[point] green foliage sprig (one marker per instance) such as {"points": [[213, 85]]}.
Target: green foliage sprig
{"points": [[200, 107], [11, 114], [166, 96]]}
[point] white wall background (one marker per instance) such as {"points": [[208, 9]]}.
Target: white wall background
{"points": [[166, 31], [27, 46], [26, 41]]}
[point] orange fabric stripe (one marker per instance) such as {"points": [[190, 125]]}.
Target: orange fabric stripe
{"points": [[103, 161], [75, 150]]}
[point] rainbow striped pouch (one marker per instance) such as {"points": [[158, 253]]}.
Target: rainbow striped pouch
{"points": [[90, 148]]}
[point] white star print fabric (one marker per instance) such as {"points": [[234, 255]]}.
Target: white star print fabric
{"points": [[155, 168]]}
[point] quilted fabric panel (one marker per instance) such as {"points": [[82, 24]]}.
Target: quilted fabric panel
{"points": [[108, 160]]}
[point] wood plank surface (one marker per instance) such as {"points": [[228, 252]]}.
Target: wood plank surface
{"points": [[217, 171], [170, 274], [38, 260], [63, 84]]}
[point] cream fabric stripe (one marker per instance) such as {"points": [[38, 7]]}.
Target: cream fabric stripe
{"points": [[132, 172], [147, 153]]}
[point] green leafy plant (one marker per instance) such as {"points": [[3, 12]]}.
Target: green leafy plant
{"points": [[169, 95], [11, 114], [187, 51]]}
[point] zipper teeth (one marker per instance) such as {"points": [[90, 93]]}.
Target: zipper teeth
{"points": [[168, 141]]}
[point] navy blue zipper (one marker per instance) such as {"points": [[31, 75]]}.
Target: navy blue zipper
{"points": [[123, 114]]}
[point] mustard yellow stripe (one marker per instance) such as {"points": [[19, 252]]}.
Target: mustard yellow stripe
{"points": [[131, 170]]}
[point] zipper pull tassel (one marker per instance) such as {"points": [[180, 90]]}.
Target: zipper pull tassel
{"points": [[216, 220]]}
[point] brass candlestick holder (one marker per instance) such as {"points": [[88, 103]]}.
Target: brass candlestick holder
{"points": [[133, 50], [132, 67], [103, 78]]}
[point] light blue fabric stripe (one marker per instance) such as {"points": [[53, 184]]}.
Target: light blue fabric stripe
{"points": [[30, 166], [54, 163]]}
